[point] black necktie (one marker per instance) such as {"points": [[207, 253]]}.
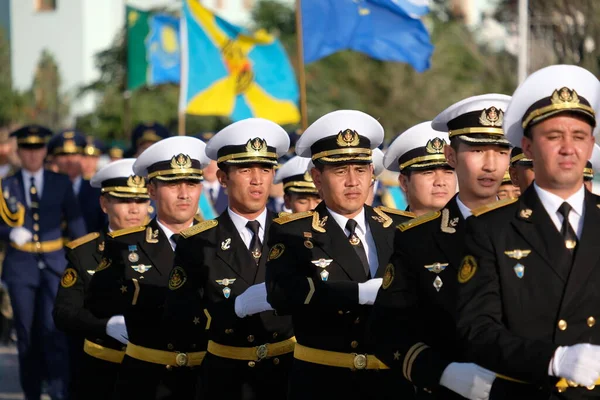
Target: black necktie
{"points": [[566, 230], [175, 237], [357, 245], [211, 193], [255, 243]]}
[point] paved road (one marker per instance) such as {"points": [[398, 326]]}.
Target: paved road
{"points": [[10, 389], [9, 374]]}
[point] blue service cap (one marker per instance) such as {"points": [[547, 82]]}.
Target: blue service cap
{"points": [[94, 147], [32, 136], [67, 142], [148, 132]]}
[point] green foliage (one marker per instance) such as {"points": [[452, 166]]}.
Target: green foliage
{"points": [[11, 101]]}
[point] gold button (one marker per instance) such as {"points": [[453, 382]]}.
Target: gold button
{"points": [[36, 217], [36, 227], [32, 190], [276, 361], [169, 367], [562, 325], [251, 364], [275, 334], [591, 387], [341, 312], [36, 238], [357, 320], [354, 344], [251, 338], [170, 346], [38, 245], [591, 321]]}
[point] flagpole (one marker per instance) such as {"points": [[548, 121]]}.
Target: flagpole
{"points": [[126, 93], [301, 73], [523, 40], [181, 123]]}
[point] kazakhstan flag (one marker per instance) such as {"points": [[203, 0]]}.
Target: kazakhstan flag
{"points": [[228, 72], [162, 47]]}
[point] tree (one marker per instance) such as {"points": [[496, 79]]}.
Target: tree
{"points": [[561, 31], [11, 100], [44, 104]]}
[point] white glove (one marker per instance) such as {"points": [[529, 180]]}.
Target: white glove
{"points": [[579, 363], [117, 329], [367, 291], [20, 236], [469, 380], [252, 301]]}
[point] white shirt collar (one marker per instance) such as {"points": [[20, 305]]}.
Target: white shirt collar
{"points": [[240, 224], [552, 202], [168, 233], [464, 210], [37, 175], [342, 221]]}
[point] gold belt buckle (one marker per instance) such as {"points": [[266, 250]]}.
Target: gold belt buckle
{"points": [[360, 361], [262, 352], [181, 359]]}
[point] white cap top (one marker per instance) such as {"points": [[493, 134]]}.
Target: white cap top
{"points": [[176, 157], [419, 147], [117, 169], [551, 88], [294, 166], [476, 119], [250, 140], [346, 131], [118, 179]]}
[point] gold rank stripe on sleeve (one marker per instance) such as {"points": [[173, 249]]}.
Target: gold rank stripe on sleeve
{"points": [[389, 210], [493, 206], [410, 357], [200, 227], [126, 231], [82, 240], [293, 217], [419, 220]]}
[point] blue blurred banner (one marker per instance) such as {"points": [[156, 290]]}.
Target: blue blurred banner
{"points": [[378, 28], [163, 50], [412, 8]]}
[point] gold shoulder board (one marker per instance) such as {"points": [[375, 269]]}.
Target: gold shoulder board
{"points": [[419, 220], [283, 214], [199, 227], [293, 217], [198, 218], [84, 239], [126, 231], [389, 210], [493, 206]]}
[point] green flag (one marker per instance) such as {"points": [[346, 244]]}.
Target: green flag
{"points": [[137, 62]]}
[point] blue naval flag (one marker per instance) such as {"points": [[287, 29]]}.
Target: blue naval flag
{"points": [[163, 50], [412, 8], [379, 28]]}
